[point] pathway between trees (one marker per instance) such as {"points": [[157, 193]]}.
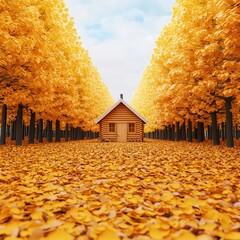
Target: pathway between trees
{"points": [[89, 190]]}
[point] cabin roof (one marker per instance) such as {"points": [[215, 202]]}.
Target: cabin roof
{"points": [[114, 106]]}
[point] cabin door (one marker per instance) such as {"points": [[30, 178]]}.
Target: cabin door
{"points": [[122, 132]]}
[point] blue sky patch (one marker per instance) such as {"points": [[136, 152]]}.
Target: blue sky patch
{"points": [[157, 8], [139, 19], [100, 35], [95, 26]]}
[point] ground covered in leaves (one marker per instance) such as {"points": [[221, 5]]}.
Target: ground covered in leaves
{"points": [[111, 191]]}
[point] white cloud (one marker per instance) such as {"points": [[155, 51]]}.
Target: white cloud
{"points": [[120, 36]]}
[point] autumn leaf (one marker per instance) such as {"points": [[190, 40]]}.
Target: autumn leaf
{"points": [[59, 234], [94, 203], [108, 234]]}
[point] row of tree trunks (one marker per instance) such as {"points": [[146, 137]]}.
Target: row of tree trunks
{"points": [[35, 131], [214, 132]]}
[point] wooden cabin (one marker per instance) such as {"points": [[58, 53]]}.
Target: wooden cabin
{"points": [[121, 123]]}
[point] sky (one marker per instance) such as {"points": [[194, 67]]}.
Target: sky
{"points": [[120, 36]]}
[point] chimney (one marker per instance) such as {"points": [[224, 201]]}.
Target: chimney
{"points": [[121, 96]]}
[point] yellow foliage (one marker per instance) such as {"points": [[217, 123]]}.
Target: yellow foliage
{"points": [[44, 66], [194, 66]]}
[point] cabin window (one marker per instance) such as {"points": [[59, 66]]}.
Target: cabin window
{"points": [[131, 127], [112, 127]]}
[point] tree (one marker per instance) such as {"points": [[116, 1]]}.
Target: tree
{"points": [[195, 66], [44, 67]]}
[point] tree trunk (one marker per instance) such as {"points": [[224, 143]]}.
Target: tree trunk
{"points": [[183, 128], [163, 134], [19, 126], [215, 132], [173, 132], [152, 134], [169, 132], [195, 133], [223, 132], [160, 134], [82, 134], [75, 133], [66, 133], [45, 132], [3, 125], [229, 123], [190, 137], [31, 135], [200, 131], [23, 130], [40, 130], [58, 133], [13, 130], [91, 134], [210, 132], [87, 134], [8, 130], [27, 131], [37, 131], [78, 133], [49, 131], [71, 133], [177, 131], [219, 132], [237, 132]]}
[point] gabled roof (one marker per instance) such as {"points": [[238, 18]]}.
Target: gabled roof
{"points": [[114, 106]]}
